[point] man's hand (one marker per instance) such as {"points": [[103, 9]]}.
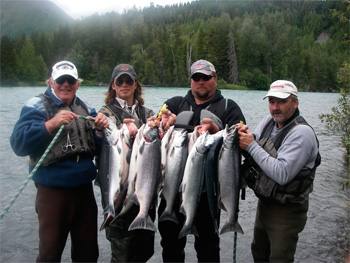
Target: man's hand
{"points": [[62, 117], [168, 119], [131, 127], [207, 125], [246, 137], [100, 122]]}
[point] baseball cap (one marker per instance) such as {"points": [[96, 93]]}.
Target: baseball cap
{"points": [[202, 66], [282, 89], [64, 68], [122, 69]]}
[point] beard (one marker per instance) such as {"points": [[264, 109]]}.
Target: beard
{"points": [[202, 95]]}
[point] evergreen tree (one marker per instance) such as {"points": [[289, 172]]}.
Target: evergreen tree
{"points": [[8, 70], [31, 68]]}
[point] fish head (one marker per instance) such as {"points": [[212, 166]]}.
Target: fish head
{"points": [[112, 134], [150, 133], [180, 139], [211, 139]]}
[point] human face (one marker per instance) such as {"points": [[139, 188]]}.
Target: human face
{"points": [[282, 109], [203, 89], [65, 88], [124, 88]]}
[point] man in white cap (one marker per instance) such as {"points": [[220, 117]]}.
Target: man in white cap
{"points": [[280, 165], [65, 200]]}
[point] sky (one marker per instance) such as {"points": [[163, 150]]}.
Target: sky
{"points": [[78, 9]]}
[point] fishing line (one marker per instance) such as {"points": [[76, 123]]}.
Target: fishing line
{"points": [[20, 190], [234, 247], [4, 211]]}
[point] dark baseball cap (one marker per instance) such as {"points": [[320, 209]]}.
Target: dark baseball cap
{"points": [[122, 69]]}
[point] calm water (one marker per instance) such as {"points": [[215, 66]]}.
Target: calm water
{"points": [[326, 235]]}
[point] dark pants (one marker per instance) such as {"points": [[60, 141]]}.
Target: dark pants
{"points": [[62, 211], [207, 244], [130, 246], [276, 231]]}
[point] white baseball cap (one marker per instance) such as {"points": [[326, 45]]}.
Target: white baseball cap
{"points": [[64, 68], [282, 89]]}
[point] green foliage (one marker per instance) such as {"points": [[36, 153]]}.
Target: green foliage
{"points": [[339, 120], [30, 67], [251, 44]]}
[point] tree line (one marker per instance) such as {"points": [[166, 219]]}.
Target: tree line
{"points": [[251, 44]]}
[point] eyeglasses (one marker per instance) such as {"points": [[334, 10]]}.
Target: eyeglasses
{"points": [[120, 81], [197, 77], [70, 80]]}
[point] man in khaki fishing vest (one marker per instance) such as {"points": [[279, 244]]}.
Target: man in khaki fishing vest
{"points": [[65, 200], [281, 160]]}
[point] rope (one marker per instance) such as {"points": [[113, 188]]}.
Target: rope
{"points": [[234, 247], [4, 211]]}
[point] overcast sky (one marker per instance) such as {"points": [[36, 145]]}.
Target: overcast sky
{"points": [[83, 8]]}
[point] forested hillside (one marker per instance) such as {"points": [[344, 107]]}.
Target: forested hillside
{"points": [[251, 43], [28, 16]]}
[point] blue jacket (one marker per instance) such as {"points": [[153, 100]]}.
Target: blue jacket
{"points": [[30, 136]]}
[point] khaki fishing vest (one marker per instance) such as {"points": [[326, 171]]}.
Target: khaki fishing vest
{"points": [[296, 191], [120, 114], [80, 133]]}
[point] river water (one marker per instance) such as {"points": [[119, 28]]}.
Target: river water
{"points": [[324, 239]]}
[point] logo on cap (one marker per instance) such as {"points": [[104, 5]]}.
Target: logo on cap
{"points": [[64, 66], [277, 87], [124, 68]]}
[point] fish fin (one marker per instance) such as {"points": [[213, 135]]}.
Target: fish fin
{"points": [[182, 210], [128, 157], [142, 147], [229, 227], [108, 220], [168, 216], [188, 230], [221, 205], [135, 199], [143, 223], [119, 149], [109, 209]]}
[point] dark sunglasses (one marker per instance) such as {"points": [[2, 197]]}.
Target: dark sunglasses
{"points": [[120, 81], [197, 77], [70, 80]]}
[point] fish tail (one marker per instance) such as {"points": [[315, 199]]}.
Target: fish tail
{"points": [[142, 223], [109, 209], [106, 222], [231, 227], [186, 230], [169, 216]]}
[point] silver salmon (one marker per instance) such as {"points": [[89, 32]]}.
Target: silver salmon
{"points": [[192, 183], [229, 162], [132, 173], [174, 169], [148, 177], [165, 147], [119, 159]]}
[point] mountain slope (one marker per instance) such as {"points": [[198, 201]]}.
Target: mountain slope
{"points": [[29, 16]]}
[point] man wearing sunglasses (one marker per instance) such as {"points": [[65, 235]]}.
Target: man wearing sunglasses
{"points": [[205, 108], [65, 200]]}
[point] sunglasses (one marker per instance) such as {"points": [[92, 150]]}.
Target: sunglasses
{"points": [[120, 81], [197, 77], [70, 80]]}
